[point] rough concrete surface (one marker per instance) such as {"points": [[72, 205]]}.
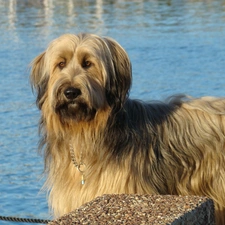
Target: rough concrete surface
{"points": [[143, 209]]}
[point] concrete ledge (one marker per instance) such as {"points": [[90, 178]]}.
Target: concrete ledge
{"points": [[142, 209]]}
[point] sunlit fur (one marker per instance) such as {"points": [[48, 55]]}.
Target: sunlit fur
{"points": [[174, 147]]}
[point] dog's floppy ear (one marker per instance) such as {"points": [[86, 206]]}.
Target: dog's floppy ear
{"points": [[120, 78], [39, 78]]}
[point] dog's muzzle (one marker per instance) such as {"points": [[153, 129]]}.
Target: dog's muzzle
{"points": [[71, 104], [72, 93]]}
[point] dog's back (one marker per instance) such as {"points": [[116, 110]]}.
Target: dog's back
{"points": [[185, 144]]}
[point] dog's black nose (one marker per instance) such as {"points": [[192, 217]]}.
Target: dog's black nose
{"points": [[71, 93]]}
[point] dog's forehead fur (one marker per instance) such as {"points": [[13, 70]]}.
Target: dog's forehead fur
{"points": [[75, 49], [69, 44]]}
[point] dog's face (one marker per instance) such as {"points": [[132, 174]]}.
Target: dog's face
{"points": [[78, 75]]}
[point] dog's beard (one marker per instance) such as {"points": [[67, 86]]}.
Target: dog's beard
{"points": [[76, 109]]}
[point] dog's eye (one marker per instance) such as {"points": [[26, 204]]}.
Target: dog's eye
{"points": [[86, 64], [61, 65]]}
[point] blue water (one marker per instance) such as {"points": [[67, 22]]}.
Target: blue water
{"points": [[175, 47]]}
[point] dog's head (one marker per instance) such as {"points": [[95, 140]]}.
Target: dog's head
{"points": [[78, 75]]}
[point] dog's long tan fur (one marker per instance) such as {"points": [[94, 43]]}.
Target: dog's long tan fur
{"points": [[174, 147]]}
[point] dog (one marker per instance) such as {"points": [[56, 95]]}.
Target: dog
{"points": [[96, 140]]}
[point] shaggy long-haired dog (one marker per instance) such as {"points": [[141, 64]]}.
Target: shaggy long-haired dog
{"points": [[98, 141]]}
